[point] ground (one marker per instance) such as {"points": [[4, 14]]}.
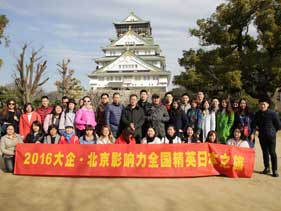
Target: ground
{"points": [[261, 192]]}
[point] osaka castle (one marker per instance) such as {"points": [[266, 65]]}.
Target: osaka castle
{"points": [[132, 60]]}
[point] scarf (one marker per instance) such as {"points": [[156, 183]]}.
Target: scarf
{"points": [[171, 138], [68, 136], [149, 139]]}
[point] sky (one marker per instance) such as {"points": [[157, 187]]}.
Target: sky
{"points": [[76, 30]]}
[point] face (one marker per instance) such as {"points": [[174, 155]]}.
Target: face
{"points": [[150, 133], [156, 101], [200, 96], [28, 109], [243, 104], [224, 103], [69, 130], [212, 137], [169, 98], [116, 99], [237, 134], [58, 109], [215, 103], [189, 131], [35, 128], [64, 102], [45, 102], [105, 131], [133, 101], [71, 106], [86, 101], [104, 99], [53, 132], [89, 132], [143, 96], [235, 105], [263, 106], [206, 105], [11, 105], [185, 99], [10, 130], [175, 105], [171, 131], [193, 104]]}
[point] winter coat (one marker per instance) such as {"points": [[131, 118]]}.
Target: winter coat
{"points": [[178, 119], [8, 145], [66, 119], [224, 124], [73, 140], [176, 140], [43, 112], [156, 140], [121, 140], [25, 124], [113, 116], [84, 117], [208, 123], [246, 122], [194, 119], [47, 139], [32, 139]]}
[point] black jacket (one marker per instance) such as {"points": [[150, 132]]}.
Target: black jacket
{"points": [[268, 123], [178, 119], [32, 139]]}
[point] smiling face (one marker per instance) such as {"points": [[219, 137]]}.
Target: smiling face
{"points": [[28, 109], [10, 130], [150, 132], [237, 134], [206, 105], [143, 96], [212, 137], [58, 109], [243, 105], [105, 131], [69, 130], [53, 132], [224, 103], [171, 131], [89, 132], [263, 106], [11, 105], [175, 105], [189, 131], [86, 101], [45, 102], [35, 128]]}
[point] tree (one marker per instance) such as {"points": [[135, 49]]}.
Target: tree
{"points": [[3, 23], [240, 50], [68, 85], [28, 76]]}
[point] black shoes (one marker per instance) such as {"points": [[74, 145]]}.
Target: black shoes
{"points": [[275, 174], [265, 171]]}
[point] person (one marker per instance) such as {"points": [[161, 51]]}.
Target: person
{"points": [[89, 137], [177, 118], [268, 123], [10, 115], [64, 102], [151, 137], [146, 106], [168, 100], [236, 140], [235, 105], [200, 97], [53, 118], [212, 137], [126, 137], [67, 116], [27, 118], [36, 135], [45, 109], [113, 113], [84, 116], [53, 136], [224, 121], [171, 136], [106, 136], [185, 105], [215, 107], [190, 136], [69, 136], [158, 116], [133, 116], [245, 119], [194, 118], [208, 120], [104, 99], [8, 147]]}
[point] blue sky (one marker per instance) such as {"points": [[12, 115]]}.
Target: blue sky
{"points": [[76, 30]]}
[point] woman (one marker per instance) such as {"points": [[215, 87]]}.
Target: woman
{"points": [[126, 137], [208, 120], [189, 136], [89, 137], [212, 138], [106, 136], [225, 120], [36, 135], [27, 118], [67, 116], [194, 118], [244, 119], [236, 140], [171, 136], [84, 116], [10, 115], [69, 136], [8, 147], [53, 135], [151, 137], [177, 117], [53, 118]]}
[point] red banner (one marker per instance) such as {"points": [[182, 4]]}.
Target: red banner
{"points": [[177, 160]]}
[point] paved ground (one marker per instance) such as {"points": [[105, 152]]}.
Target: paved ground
{"points": [[209, 193]]}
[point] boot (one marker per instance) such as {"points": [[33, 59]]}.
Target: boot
{"points": [[275, 173], [265, 171]]}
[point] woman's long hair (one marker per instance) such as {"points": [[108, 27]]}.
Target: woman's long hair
{"points": [[110, 136]]}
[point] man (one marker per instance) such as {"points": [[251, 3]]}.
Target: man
{"points": [[100, 118], [64, 102], [185, 105], [45, 109], [146, 106], [268, 123], [215, 105], [158, 116], [168, 100], [200, 98], [133, 117], [113, 113]]}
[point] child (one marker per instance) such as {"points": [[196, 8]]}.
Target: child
{"points": [[171, 137], [36, 135], [69, 136]]}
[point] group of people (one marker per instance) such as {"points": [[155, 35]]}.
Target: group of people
{"points": [[167, 121]]}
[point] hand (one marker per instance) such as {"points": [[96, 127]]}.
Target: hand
{"points": [[252, 137], [132, 125], [16, 118], [37, 142], [180, 130]]}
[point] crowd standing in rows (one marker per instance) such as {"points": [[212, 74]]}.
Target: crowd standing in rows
{"points": [[168, 121]]}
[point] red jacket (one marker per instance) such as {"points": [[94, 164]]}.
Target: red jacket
{"points": [[43, 112], [25, 125], [121, 140], [73, 140]]}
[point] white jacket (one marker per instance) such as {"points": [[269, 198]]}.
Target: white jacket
{"points": [[208, 124], [176, 140], [155, 141]]}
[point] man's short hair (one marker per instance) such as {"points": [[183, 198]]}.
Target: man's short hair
{"points": [[44, 97], [104, 94]]}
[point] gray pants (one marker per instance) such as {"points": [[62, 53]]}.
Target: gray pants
{"points": [[9, 163]]}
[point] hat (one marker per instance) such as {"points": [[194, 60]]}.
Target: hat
{"points": [[69, 125], [155, 96], [71, 101]]}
